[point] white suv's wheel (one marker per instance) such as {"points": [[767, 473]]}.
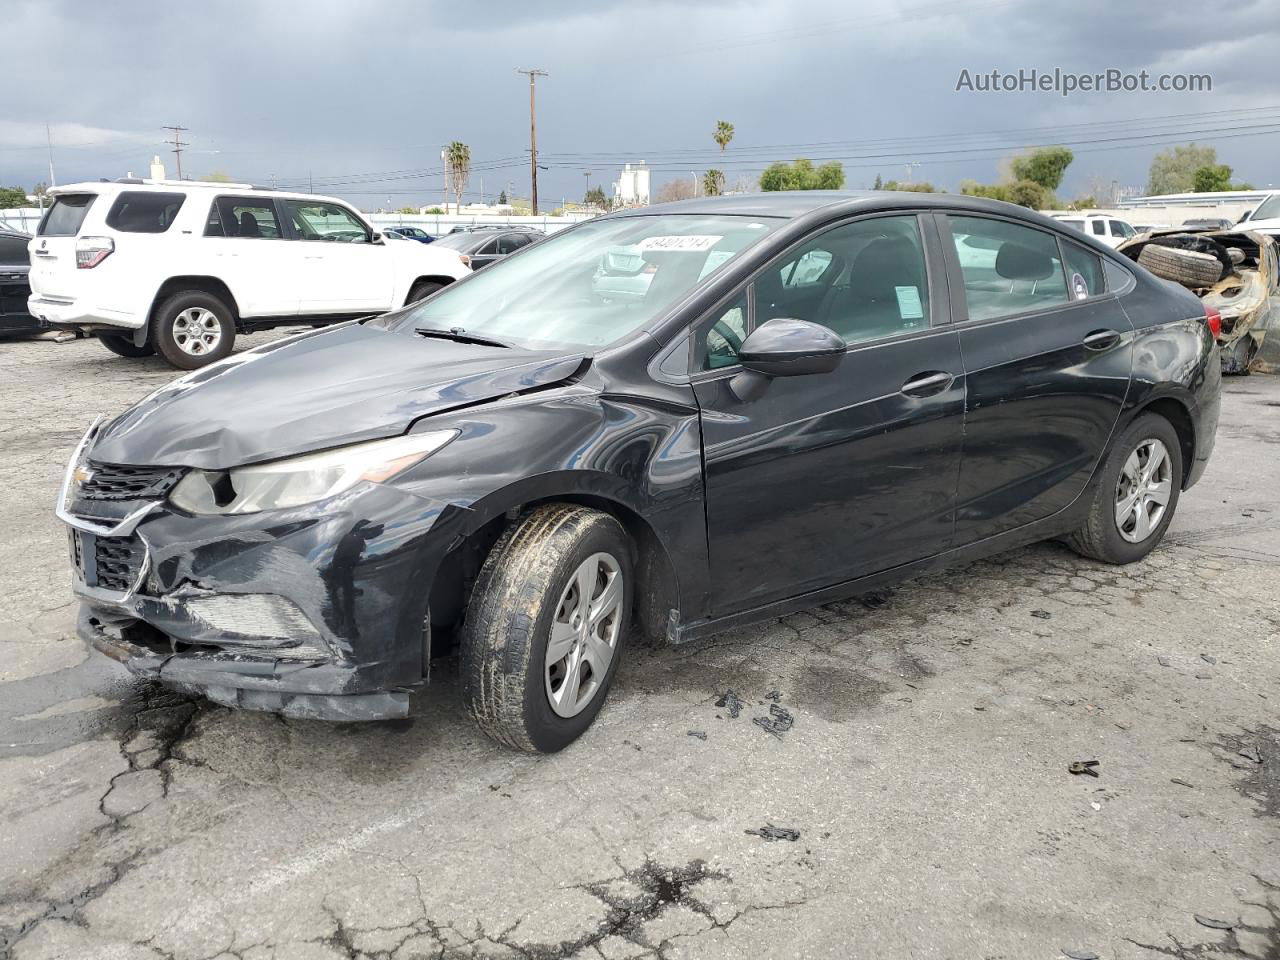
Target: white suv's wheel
{"points": [[192, 329]]}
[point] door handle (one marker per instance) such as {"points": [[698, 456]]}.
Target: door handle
{"points": [[927, 384], [1101, 339]]}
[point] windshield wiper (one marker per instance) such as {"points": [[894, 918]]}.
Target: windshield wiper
{"points": [[458, 335]]}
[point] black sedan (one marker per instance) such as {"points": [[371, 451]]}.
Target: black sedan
{"points": [[480, 248], [809, 396], [15, 266]]}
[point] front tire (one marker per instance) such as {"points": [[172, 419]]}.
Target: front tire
{"points": [[421, 290], [193, 329], [122, 345], [1136, 496], [546, 626]]}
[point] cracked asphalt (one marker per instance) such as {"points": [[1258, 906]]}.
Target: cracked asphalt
{"points": [[925, 770]]}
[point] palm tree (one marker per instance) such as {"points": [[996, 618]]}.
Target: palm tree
{"points": [[457, 159], [723, 134], [713, 183]]}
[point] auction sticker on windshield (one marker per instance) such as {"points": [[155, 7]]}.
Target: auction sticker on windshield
{"points": [[693, 244]]}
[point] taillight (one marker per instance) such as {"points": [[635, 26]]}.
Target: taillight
{"points": [[91, 251], [466, 261], [649, 268], [1214, 319]]}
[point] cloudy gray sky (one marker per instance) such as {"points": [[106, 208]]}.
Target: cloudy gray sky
{"points": [[359, 96]]}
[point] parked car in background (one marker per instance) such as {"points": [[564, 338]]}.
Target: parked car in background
{"points": [[410, 233], [1265, 217], [180, 267], [479, 248], [864, 388], [15, 265], [1206, 223], [1104, 229]]}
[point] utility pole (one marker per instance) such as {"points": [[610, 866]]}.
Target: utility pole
{"points": [[444, 169], [178, 144], [587, 174], [533, 136], [48, 138]]}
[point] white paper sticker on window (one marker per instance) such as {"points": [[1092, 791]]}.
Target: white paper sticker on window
{"points": [[689, 244], [909, 306]]}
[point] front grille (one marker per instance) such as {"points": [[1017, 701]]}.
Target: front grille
{"points": [[118, 561], [112, 482]]}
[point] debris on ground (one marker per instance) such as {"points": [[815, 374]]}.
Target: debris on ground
{"points": [[778, 722], [770, 832], [732, 701], [1208, 659], [1163, 661], [876, 599], [1182, 783], [1080, 954], [774, 695], [1042, 614], [1204, 676], [1211, 922], [1083, 766], [1251, 753], [700, 734]]}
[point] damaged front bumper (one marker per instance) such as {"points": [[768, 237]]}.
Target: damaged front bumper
{"points": [[317, 611]]}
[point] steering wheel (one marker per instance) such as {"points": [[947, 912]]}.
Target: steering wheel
{"points": [[728, 335]]}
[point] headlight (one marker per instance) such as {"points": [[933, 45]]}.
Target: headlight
{"points": [[305, 479]]}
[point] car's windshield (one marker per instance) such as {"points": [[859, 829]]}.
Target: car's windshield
{"points": [[1268, 209], [588, 286]]}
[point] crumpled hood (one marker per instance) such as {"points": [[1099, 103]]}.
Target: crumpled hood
{"points": [[323, 389]]}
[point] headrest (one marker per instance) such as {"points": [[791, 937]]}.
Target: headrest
{"points": [[1016, 262], [882, 265]]}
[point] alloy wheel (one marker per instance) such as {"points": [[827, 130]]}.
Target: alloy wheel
{"points": [[1143, 490], [197, 331], [584, 634]]}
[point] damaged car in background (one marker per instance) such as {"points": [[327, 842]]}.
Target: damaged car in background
{"points": [[809, 396], [1236, 274]]}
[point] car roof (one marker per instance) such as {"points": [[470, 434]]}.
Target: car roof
{"points": [[192, 186], [793, 204]]}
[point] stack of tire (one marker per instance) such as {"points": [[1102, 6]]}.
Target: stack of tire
{"points": [[1186, 258]]}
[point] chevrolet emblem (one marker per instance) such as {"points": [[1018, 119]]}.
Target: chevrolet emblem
{"points": [[82, 475]]}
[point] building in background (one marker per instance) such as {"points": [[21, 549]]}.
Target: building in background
{"points": [[631, 189]]}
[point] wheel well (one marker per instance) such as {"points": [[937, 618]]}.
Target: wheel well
{"points": [[656, 590], [210, 285], [443, 281], [1180, 419]]}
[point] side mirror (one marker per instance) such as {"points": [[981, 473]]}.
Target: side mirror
{"points": [[376, 237], [785, 347]]}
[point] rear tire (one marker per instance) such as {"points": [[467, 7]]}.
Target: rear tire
{"points": [[1115, 530], [122, 345], [561, 577], [421, 290], [193, 329]]}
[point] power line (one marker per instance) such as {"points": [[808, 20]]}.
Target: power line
{"points": [[178, 143]]}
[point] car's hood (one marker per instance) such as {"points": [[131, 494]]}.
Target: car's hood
{"points": [[321, 389]]}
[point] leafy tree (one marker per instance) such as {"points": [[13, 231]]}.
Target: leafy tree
{"points": [[1025, 193], [457, 159], [595, 198], [502, 197], [1084, 203], [910, 187], [13, 197], [412, 210], [434, 210], [1174, 170], [1044, 166], [672, 190], [879, 184], [217, 176], [802, 175], [713, 183], [723, 134]]}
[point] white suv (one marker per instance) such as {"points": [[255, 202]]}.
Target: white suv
{"points": [[178, 267], [1106, 230]]}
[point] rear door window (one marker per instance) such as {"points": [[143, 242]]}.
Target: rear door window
{"points": [[1099, 227], [1007, 268], [244, 217], [512, 242], [142, 211], [66, 215]]}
